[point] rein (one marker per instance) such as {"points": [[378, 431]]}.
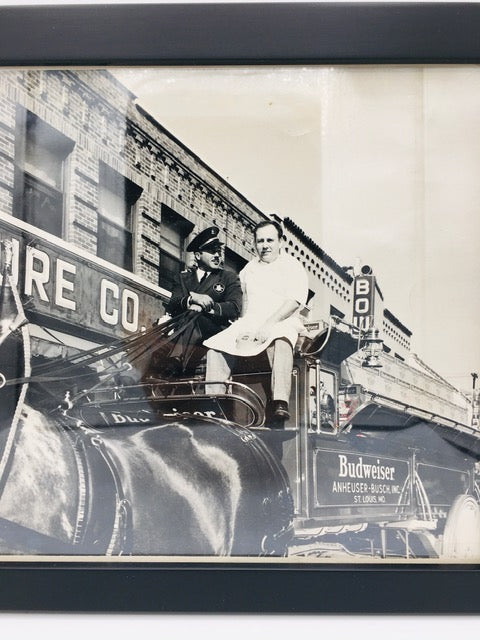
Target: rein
{"points": [[135, 348]]}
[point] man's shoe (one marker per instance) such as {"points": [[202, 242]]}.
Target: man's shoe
{"points": [[280, 409]]}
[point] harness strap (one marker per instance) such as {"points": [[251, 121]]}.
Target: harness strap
{"points": [[104, 521], [7, 454], [83, 489], [121, 541]]}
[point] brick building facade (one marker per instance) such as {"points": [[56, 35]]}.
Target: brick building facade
{"points": [[101, 200]]}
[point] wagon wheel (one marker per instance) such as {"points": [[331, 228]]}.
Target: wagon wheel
{"points": [[461, 538]]}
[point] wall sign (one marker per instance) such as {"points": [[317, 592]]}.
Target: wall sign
{"points": [[363, 301], [60, 284]]}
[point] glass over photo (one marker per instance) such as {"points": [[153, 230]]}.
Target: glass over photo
{"points": [[238, 318]]}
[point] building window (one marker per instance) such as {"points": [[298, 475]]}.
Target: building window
{"points": [[41, 153], [174, 230], [117, 199], [233, 261]]}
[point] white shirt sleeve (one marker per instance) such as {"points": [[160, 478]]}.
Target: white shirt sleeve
{"points": [[295, 280]]}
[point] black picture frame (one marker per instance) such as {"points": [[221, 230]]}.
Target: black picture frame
{"points": [[284, 33]]}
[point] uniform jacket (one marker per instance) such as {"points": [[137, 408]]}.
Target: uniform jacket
{"points": [[222, 286]]}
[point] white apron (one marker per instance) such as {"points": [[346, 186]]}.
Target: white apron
{"points": [[266, 286]]}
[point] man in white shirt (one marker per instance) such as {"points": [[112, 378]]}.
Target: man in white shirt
{"points": [[275, 287]]}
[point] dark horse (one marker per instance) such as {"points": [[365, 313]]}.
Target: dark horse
{"points": [[117, 477]]}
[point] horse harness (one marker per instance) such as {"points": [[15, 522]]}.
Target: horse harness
{"points": [[104, 524]]}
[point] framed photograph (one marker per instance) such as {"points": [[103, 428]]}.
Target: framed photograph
{"points": [[239, 342]]}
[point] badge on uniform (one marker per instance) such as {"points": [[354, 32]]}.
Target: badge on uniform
{"points": [[219, 287]]}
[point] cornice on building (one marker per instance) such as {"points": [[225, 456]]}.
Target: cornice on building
{"points": [[395, 321], [289, 224], [199, 161], [91, 95]]}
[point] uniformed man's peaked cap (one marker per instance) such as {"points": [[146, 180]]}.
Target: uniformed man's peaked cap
{"points": [[206, 239]]}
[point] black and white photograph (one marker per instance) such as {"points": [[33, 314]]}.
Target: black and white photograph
{"points": [[238, 316]]}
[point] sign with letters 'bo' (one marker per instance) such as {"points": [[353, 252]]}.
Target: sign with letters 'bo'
{"points": [[363, 301]]}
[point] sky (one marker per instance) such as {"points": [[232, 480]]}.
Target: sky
{"points": [[379, 165]]}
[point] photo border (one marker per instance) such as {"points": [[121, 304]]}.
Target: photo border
{"points": [[234, 34]]}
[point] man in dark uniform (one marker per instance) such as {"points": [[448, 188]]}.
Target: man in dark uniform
{"points": [[210, 290]]}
